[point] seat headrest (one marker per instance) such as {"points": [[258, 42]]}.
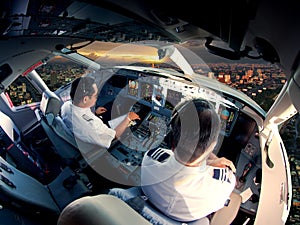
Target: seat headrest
{"points": [[50, 103], [147, 210], [100, 210]]}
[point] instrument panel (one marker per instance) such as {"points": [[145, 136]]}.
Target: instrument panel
{"points": [[153, 98], [160, 94]]}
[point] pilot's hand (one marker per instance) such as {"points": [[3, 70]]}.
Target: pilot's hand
{"points": [[133, 116], [100, 110], [222, 162]]}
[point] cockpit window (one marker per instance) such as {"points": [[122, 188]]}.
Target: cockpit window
{"points": [[60, 71], [258, 79], [22, 92]]}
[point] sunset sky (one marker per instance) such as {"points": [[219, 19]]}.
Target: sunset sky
{"points": [[107, 50]]}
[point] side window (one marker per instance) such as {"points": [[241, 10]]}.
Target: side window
{"points": [[60, 71], [22, 92], [56, 73]]}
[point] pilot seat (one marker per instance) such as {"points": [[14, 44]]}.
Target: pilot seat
{"points": [[76, 153], [136, 199], [60, 136], [224, 216]]}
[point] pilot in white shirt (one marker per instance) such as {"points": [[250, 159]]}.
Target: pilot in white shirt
{"points": [[184, 193], [89, 130], [189, 182], [86, 126]]}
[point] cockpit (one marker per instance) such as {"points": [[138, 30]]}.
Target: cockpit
{"points": [[153, 94], [151, 90]]}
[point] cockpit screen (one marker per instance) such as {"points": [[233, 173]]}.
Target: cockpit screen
{"points": [[158, 97], [228, 117], [146, 91], [133, 87], [173, 98]]}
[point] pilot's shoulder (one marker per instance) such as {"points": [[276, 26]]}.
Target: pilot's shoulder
{"points": [[159, 154], [223, 174], [87, 118]]}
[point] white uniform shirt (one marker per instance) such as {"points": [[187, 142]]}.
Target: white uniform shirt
{"points": [[184, 193], [86, 126]]}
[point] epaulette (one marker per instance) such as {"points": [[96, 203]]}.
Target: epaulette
{"points": [[221, 174], [158, 154], [87, 118]]}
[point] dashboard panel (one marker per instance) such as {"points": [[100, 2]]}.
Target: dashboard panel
{"points": [[153, 98]]}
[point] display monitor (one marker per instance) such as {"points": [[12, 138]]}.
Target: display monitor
{"points": [[228, 117], [146, 91], [158, 96], [133, 87]]}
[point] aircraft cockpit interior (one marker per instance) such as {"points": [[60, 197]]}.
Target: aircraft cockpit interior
{"points": [[153, 95], [147, 58]]}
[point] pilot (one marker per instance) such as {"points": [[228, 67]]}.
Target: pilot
{"points": [[189, 181], [85, 125]]}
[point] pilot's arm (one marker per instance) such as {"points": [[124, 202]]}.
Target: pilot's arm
{"points": [[124, 124]]}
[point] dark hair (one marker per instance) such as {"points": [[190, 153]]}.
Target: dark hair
{"points": [[81, 87], [195, 126]]}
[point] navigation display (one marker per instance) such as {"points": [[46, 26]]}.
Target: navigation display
{"points": [[146, 91], [133, 87], [173, 98], [158, 97], [228, 117]]}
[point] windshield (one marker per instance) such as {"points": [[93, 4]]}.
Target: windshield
{"points": [[261, 81]]}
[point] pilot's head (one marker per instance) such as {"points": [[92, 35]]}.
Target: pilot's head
{"points": [[84, 92], [195, 128]]}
